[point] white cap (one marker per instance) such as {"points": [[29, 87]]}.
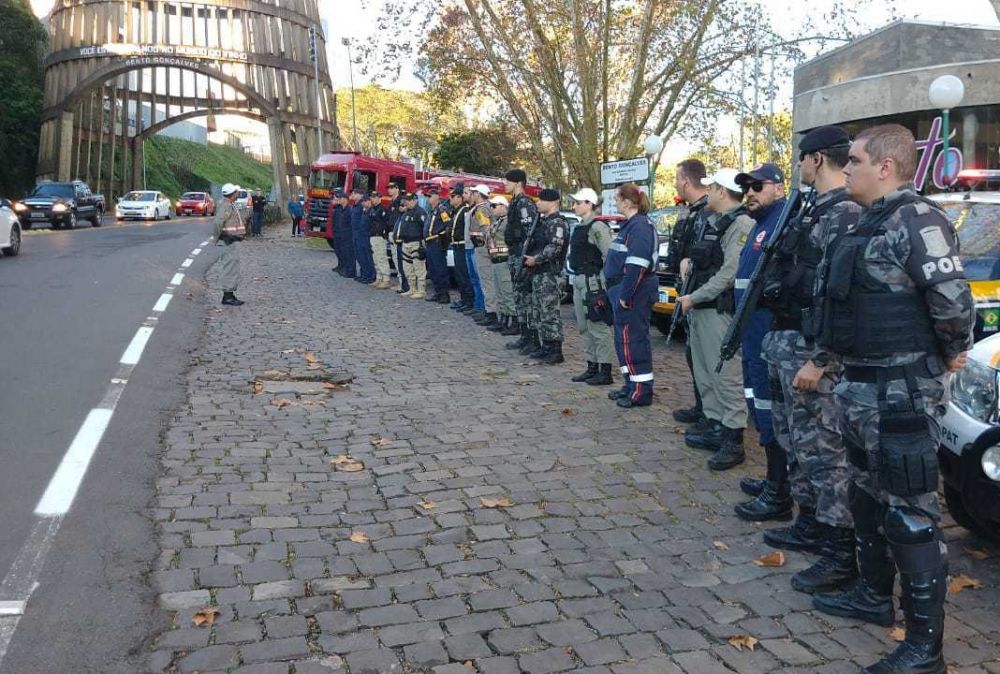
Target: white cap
{"points": [[228, 189], [725, 177], [499, 200], [482, 189], [586, 194]]}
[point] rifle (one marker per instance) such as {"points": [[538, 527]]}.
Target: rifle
{"points": [[755, 288], [685, 288]]}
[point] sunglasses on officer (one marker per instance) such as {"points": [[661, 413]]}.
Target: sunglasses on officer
{"points": [[756, 186]]}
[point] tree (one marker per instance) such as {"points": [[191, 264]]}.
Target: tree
{"points": [[23, 42], [485, 151], [587, 80], [766, 138]]}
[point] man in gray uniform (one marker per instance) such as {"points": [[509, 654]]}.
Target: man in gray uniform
{"points": [[896, 307], [229, 231]]}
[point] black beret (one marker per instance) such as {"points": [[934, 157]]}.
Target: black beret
{"points": [[409, 196], [824, 138], [458, 190], [549, 194], [516, 176]]}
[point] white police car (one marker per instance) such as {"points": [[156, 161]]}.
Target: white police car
{"points": [[970, 442]]}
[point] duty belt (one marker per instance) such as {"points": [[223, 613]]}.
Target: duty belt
{"points": [[926, 368], [612, 282], [458, 243], [497, 259]]}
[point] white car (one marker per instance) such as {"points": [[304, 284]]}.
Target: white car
{"points": [[969, 454], [143, 205], [243, 201], [10, 229]]}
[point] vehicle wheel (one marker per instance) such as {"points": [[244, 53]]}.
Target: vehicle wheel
{"points": [[71, 224], [168, 214], [15, 242], [97, 220], [953, 498], [119, 219]]}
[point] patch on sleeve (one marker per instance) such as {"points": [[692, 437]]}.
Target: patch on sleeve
{"points": [[934, 241], [743, 239], [445, 217], [524, 213], [921, 208]]}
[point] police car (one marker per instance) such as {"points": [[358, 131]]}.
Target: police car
{"points": [[969, 454]]}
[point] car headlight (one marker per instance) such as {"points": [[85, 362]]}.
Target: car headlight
{"points": [[59, 208], [20, 208], [974, 391], [664, 249], [991, 463]]}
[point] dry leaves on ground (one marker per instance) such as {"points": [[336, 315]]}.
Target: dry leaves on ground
{"points": [[359, 537], [469, 666], [719, 545], [281, 402], [428, 505], [310, 357], [567, 411], [741, 641], [963, 582], [897, 633], [258, 388], [347, 464], [379, 441], [330, 386], [205, 616], [502, 502], [976, 553], [776, 558]]}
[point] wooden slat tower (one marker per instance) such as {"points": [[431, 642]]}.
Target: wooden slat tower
{"points": [[121, 70]]}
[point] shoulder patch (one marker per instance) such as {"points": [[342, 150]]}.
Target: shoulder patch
{"points": [[743, 239], [934, 240], [445, 217], [921, 208]]}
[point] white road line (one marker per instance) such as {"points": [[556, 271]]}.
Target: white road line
{"points": [[177, 279], [8, 608], [206, 242], [22, 578], [187, 263], [196, 250], [134, 351], [161, 304], [59, 495]]}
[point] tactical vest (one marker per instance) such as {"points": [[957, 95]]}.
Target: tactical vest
{"points": [[516, 230], [412, 226], [496, 246], [456, 234], [707, 257], [538, 239], [682, 235], [584, 257], [864, 317], [788, 289]]}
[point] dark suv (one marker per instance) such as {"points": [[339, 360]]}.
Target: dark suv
{"points": [[61, 205]]}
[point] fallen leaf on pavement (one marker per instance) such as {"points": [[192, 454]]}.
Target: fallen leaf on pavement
{"points": [[428, 505], [310, 357], [330, 386], [281, 402], [258, 388], [719, 545], [567, 412], [741, 641], [963, 582], [205, 616], [897, 633], [975, 553], [359, 537], [347, 464], [502, 502], [679, 429], [381, 442], [469, 666], [776, 558]]}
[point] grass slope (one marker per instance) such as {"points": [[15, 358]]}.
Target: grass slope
{"points": [[175, 166]]}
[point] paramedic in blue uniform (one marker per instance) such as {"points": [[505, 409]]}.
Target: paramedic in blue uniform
{"points": [[764, 188], [360, 226], [343, 241], [632, 289]]}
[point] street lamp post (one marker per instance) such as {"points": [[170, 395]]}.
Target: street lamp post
{"points": [[946, 92], [653, 145], [354, 115], [314, 54]]}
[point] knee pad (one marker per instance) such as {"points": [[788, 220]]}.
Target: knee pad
{"points": [[908, 526], [865, 509]]}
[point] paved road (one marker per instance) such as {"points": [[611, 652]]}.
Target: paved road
{"points": [[70, 304]]}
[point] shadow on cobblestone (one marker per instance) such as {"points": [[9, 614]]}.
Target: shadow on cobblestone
{"points": [[617, 552]]}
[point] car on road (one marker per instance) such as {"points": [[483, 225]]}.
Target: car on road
{"points": [[10, 229], [61, 205], [969, 452], [243, 202], [195, 203], [143, 205]]}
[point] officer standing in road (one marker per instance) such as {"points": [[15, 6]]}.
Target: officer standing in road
{"points": [[497, 252], [395, 212], [633, 289], [521, 213], [411, 233], [709, 311], [258, 202], [456, 237], [690, 173], [896, 307], [544, 253], [764, 188], [378, 235], [436, 244], [229, 231], [589, 241], [804, 410], [296, 212]]}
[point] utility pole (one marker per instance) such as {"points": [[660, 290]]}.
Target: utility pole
{"points": [[314, 55], [756, 102], [354, 115]]}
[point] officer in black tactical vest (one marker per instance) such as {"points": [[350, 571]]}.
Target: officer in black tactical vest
{"points": [[544, 253], [897, 309], [436, 243], [520, 214]]}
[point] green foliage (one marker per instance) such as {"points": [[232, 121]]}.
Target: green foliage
{"points": [[175, 166], [23, 42], [484, 151]]}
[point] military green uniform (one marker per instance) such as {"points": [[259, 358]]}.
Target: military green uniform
{"points": [[229, 223], [598, 339], [546, 242]]}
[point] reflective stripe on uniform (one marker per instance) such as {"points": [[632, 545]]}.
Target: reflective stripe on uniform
{"points": [[762, 404], [748, 393], [632, 259], [641, 377], [624, 369], [620, 247], [741, 283]]}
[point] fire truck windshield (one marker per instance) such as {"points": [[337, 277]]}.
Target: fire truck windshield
{"points": [[323, 179]]}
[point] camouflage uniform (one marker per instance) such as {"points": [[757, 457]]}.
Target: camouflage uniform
{"points": [[546, 241], [807, 423], [520, 216]]}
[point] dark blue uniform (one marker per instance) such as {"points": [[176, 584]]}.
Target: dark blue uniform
{"points": [[361, 232], [629, 271], [343, 242], [756, 384], [435, 244]]}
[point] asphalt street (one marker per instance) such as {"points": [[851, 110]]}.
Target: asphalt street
{"points": [[70, 305]]}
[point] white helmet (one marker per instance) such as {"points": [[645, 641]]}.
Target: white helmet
{"points": [[228, 189]]}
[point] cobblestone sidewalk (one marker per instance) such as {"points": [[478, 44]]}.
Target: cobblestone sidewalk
{"points": [[505, 520]]}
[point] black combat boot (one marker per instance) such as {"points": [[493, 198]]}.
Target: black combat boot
{"points": [[620, 392], [803, 535], [513, 327], [502, 322], [752, 486], [531, 343], [688, 415], [586, 374], [870, 599], [706, 434], [474, 313], [602, 377], [773, 503], [459, 305], [443, 297], [229, 299], [540, 351], [553, 354], [836, 567], [520, 341], [731, 452], [489, 318]]}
